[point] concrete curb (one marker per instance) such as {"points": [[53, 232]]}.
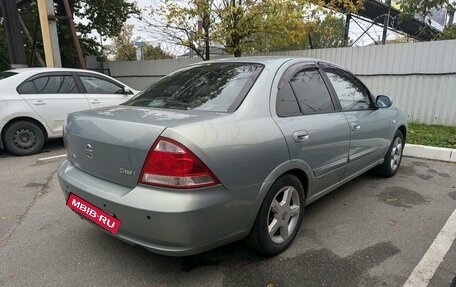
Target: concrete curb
{"points": [[430, 152]]}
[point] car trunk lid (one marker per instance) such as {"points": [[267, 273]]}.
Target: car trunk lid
{"points": [[113, 143]]}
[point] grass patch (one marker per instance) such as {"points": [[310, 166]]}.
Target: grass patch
{"points": [[431, 135]]}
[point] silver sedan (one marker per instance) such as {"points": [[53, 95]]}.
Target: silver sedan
{"points": [[225, 150]]}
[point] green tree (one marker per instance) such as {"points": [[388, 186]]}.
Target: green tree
{"points": [[449, 33], [328, 33], [188, 24], [240, 26], [104, 17], [324, 33], [424, 8], [155, 53], [4, 57], [123, 48]]}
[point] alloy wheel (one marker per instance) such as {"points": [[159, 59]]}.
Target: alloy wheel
{"points": [[283, 214]]}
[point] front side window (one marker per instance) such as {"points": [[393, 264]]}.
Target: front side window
{"points": [[352, 95], [218, 87], [53, 84], [95, 85]]}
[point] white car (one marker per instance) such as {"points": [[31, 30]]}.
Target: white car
{"points": [[34, 103]]}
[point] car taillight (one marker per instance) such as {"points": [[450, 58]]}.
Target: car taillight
{"points": [[170, 164]]}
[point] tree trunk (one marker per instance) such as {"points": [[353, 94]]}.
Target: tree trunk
{"points": [[206, 25], [208, 48], [235, 37]]}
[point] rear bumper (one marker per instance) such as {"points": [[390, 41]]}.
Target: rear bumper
{"points": [[168, 222]]}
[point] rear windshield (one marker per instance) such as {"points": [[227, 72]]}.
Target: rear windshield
{"points": [[218, 87], [4, 75]]}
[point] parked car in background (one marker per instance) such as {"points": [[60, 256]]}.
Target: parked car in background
{"points": [[34, 103], [225, 150]]}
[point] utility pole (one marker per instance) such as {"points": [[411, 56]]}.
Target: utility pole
{"points": [[76, 43], [13, 34], [49, 33], [450, 11], [347, 30], [386, 23]]}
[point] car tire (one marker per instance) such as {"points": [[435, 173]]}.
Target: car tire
{"points": [[277, 209], [23, 138], [393, 157]]}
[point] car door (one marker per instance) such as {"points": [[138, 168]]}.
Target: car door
{"points": [[316, 133], [101, 91], [370, 129], [53, 95]]}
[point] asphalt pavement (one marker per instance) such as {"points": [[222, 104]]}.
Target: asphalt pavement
{"points": [[370, 232]]}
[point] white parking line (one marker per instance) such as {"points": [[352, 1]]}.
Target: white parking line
{"points": [[424, 271], [52, 157]]}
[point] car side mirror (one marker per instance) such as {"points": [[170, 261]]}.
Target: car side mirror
{"points": [[127, 91], [383, 101]]}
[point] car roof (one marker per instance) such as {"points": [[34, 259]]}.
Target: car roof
{"points": [[266, 60], [44, 70]]}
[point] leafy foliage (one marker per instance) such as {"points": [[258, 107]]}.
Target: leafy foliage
{"points": [[123, 48], [326, 33], [4, 58], [448, 33], [105, 17], [155, 53], [242, 26], [423, 8], [426, 8]]}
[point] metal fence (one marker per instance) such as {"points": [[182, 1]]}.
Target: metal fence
{"points": [[420, 77]]}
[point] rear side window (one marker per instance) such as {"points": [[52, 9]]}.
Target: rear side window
{"points": [[95, 85], [7, 74], [287, 105], [58, 84], [218, 87]]}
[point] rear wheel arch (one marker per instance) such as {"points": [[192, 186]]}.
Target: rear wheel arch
{"points": [[17, 119], [299, 169], [260, 236], [303, 178], [286, 168]]}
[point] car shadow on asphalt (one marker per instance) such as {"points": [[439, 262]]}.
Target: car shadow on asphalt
{"points": [[243, 266], [239, 252]]}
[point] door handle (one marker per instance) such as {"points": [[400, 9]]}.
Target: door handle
{"points": [[356, 127], [94, 101], [300, 136], [39, 103]]}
